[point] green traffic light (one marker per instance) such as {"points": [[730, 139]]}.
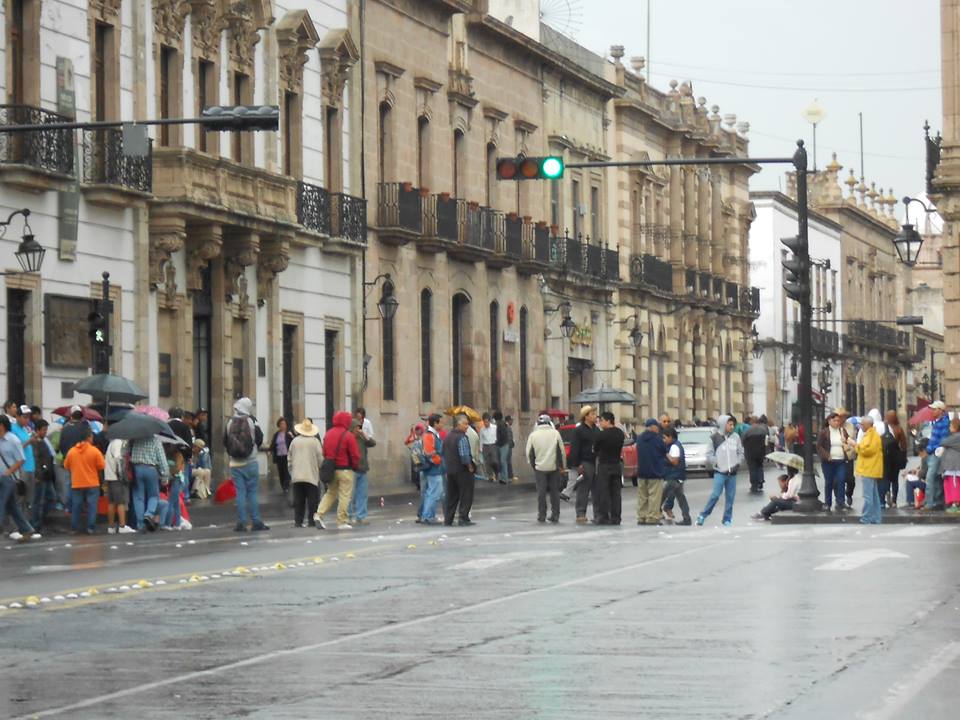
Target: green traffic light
{"points": [[552, 168]]}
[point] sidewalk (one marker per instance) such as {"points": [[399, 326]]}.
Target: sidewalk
{"points": [[898, 516]]}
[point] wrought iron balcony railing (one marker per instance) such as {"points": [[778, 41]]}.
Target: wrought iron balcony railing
{"points": [[104, 162], [49, 150], [400, 206], [349, 218], [313, 208]]}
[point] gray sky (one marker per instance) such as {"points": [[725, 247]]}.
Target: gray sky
{"points": [[821, 46]]}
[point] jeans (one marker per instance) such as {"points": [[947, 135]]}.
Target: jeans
{"points": [[432, 486], [934, 482], [80, 498], [44, 498], [246, 478], [146, 492], [548, 483], [834, 482], [725, 483], [172, 518], [776, 505], [871, 501], [673, 489], [9, 504], [756, 476], [912, 487], [359, 501], [504, 463]]}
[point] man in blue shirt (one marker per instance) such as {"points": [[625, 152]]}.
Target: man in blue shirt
{"points": [[941, 428], [11, 460]]}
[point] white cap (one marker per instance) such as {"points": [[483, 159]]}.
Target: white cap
{"points": [[938, 405], [25, 410], [75, 408]]}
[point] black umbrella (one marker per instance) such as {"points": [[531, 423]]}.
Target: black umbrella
{"points": [[603, 394], [139, 426], [110, 387]]}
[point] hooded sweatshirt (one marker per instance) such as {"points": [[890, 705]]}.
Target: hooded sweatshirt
{"points": [[84, 462], [950, 459], [727, 449], [345, 453], [651, 455]]}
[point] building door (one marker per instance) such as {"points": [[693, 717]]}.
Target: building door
{"points": [[16, 345], [202, 343], [289, 358], [579, 376], [460, 335], [330, 339]]}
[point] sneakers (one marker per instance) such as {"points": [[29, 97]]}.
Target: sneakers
{"points": [[669, 514], [185, 525], [111, 530], [239, 527], [468, 522], [700, 519], [345, 526], [15, 535], [168, 528], [759, 516], [150, 523], [125, 530], [685, 521], [727, 523], [260, 527], [581, 520], [318, 521], [19, 537]]}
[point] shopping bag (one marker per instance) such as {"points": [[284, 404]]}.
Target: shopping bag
{"points": [[226, 492]]}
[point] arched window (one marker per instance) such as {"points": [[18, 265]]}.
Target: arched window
{"points": [[491, 186], [494, 356], [524, 380], [384, 143], [459, 332], [423, 152], [389, 370], [459, 164], [426, 327]]}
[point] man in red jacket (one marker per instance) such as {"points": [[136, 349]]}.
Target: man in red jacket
{"points": [[339, 445]]}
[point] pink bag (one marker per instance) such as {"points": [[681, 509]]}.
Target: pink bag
{"points": [[951, 489]]}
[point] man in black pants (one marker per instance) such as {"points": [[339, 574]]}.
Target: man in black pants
{"points": [[606, 497], [675, 475], [583, 458], [460, 472]]}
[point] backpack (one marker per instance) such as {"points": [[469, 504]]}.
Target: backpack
{"points": [[239, 440], [416, 454], [431, 458], [894, 456]]}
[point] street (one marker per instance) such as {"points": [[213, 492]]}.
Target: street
{"points": [[504, 619]]}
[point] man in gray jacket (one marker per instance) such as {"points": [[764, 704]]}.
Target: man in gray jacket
{"points": [[546, 455], [727, 452]]}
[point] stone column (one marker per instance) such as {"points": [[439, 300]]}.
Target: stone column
{"points": [[273, 259]]}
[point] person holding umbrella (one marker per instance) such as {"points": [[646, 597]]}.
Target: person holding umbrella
{"points": [[149, 463]]}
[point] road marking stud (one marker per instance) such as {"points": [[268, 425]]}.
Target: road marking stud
{"points": [[142, 584], [241, 570], [160, 582], [59, 598], [85, 594], [15, 605], [318, 560], [182, 581], [191, 542], [44, 600], [204, 577], [279, 566], [215, 577], [112, 590], [179, 545], [114, 547], [411, 547], [350, 556], [72, 596], [195, 578], [244, 543], [124, 588]]}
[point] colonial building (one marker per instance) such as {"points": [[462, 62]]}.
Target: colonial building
{"points": [[877, 354], [683, 249], [776, 390], [234, 258]]}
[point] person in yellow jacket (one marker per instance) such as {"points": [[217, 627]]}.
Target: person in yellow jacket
{"points": [[869, 470]]}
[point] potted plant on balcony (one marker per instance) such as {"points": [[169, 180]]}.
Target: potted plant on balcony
{"points": [[424, 192], [445, 196], [407, 186]]}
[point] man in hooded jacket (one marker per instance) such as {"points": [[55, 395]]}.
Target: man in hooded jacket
{"points": [[651, 464], [727, 452], [339, 445]]}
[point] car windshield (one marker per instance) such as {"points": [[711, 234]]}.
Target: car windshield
{"points": [[694, 436]]}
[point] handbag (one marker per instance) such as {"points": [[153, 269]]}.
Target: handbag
{"points": [[329, 465], [21, 485]]}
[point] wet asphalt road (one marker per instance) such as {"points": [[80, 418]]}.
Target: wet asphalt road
{"points": [[507, 619]]}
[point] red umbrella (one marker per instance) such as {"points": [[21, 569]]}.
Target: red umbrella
{"points": [[556, 413], [88, 413], [921, 416]]}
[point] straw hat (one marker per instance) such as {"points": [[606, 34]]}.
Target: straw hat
{"points": [[307, 428]]}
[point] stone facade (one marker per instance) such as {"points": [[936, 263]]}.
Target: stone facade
{"points": [[234, 257]]}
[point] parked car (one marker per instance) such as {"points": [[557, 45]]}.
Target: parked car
{"points": [[628, 456], [696, 446]]}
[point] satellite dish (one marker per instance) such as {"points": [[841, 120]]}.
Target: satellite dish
{"points": [[564, 16], [814, 113]]}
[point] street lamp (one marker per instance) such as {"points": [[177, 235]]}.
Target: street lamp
{"points": [[635, 336], [388, 304], [908, 241], [757, 349], [30, 253], [568, 327]]}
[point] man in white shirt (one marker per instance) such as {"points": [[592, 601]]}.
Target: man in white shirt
{"points": [[789, 494], [488, 445], [365, 424]]}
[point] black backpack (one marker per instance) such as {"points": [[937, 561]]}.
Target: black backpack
{"points": [[239, 440], [894, 457]]}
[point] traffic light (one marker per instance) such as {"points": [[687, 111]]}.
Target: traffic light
{"points": [[98, 327], [549, 167], [99, 332], [219, 118], [796, 281]]}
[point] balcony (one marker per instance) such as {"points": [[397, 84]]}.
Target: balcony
{"points": [[874, 334], [573, 255], [36, 160], [822, 342], [313, 208], [399, 213], [349, 219], [110, 177]]}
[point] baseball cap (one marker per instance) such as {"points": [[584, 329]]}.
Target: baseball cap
{"points": [[651, 422], [544, 420], [76, 409], [938, 405], [25, 410]]}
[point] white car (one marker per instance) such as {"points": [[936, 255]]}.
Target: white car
{"points": [[696, 447]]}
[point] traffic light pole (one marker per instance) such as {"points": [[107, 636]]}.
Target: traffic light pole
{"points": [[809, 494]]}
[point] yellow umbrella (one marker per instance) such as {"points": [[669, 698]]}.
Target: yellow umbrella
{"points": [[472, 415]]}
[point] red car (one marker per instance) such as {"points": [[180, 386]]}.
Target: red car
{"points": [[628, 455]]}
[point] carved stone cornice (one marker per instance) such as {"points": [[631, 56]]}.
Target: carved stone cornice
{"points": [[274, 259], [205, 244], [167, 297], [106, 10], [243, 252], [338, 53], [296, 35], [207, 24], [168, 19], [241, 24], [167, 236]]}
